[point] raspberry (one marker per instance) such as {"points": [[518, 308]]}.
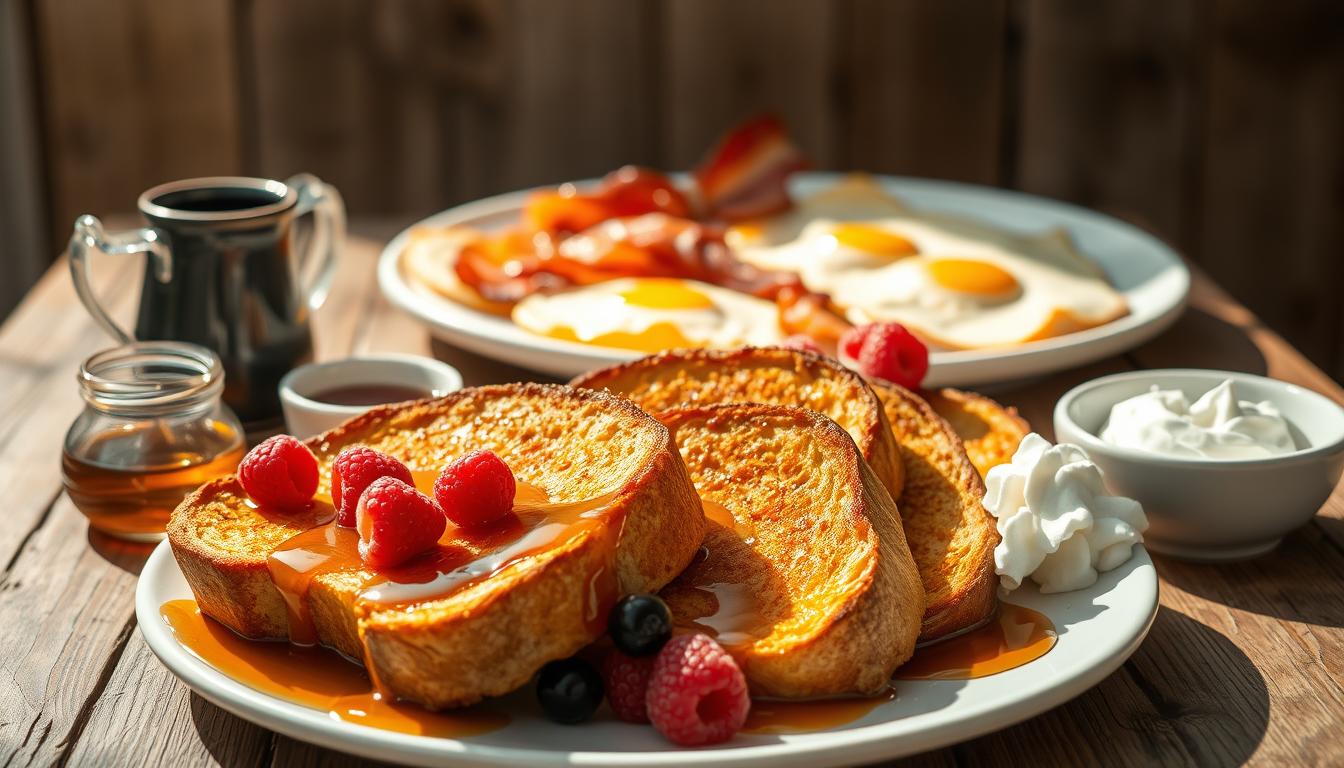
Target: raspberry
{"points": [[802, 343], [852, 341], [354, 469], [280, 472], [476, 490], [626, 680], [697, 695], [888, 351], [396, 522]]}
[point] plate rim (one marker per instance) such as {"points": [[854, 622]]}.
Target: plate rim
{"points": [[871, 742], [956, 368]]}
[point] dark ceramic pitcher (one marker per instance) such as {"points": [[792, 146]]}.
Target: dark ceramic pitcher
{"points": [[225, 269]]}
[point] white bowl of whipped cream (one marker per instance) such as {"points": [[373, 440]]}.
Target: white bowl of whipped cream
{"points": [[1224, 463]]}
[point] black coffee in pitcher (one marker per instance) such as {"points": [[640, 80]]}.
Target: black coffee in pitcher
{"points": [[228, 270]]}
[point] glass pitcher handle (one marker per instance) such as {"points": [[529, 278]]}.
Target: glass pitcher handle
{"points": [[89, 237], [319, 263]]}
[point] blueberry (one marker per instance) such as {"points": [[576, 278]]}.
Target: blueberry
{"points": [[569, 690], [640, 624]]}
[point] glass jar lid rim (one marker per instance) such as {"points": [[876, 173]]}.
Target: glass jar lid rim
{"points": [[151, 375]]}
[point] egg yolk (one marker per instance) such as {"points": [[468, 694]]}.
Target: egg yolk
{"points": [[658, 293], [872, 239], [656, 338], [747, 231], [969, 276]]}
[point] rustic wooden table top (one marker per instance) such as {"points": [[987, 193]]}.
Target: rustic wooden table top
{"points": [[1245, 661]]}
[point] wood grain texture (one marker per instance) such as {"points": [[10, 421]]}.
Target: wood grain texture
{"points": [[1273, 166], [1245, 663], [41, 349], [135, 93], [67, 618], [922, 88], [1108, 108], [23, 198], [724, 62], [579, 97], [177, 727], [368, 96]]}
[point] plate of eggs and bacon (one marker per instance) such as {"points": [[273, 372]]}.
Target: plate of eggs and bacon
{"points": [[749, 249]]}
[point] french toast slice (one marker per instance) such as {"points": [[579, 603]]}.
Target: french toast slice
{"points": [[770, 375], [991, 432], [806, 578], [951, 536], [486, 636]]}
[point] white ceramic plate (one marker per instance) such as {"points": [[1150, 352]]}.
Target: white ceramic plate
{"points": [[1150, 275], [1098, 629]]}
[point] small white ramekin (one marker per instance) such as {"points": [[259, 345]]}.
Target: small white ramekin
{"points": [[305, 417], [1207, 509]]}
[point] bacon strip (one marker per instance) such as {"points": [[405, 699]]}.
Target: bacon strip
{"points": [[638, 224], [746, 176]]}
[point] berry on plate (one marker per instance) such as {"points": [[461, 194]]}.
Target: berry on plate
{"points": [[887, 351], [569, 690], [626, 679], [396, 522], [280, 472], [697, 695], [476, 490], [354, 470], [639, 624]]}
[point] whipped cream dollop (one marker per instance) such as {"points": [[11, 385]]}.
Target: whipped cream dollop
{"points": [[1058, 524], [1216, 426]]}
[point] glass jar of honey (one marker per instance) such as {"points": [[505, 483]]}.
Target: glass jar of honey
{"points": [[153, 429]]}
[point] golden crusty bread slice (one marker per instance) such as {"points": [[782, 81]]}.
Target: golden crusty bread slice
{"points": [[990, 432], [951, 535], [490, 635], [770, 375], [806, 578], [960, 595]]}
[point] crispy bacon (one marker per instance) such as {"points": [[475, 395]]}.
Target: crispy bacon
{"points": [[509, 267], [747, 174], [629, 191], [810, 314], [638, 223]]}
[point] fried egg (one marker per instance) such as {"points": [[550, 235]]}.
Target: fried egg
{"points": [[651, 314], [956, 282]]}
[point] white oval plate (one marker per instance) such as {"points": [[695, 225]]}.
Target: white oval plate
{"points": [[1151, 276], [1098, 629]]}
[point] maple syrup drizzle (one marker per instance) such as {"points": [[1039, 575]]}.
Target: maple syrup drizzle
{"points": [[733, 617], [460, 559], [315, 677], [1016, 636], [321, 678], [782, 716]]}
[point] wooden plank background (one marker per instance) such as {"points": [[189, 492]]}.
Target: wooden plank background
{"points": [[1215, 123]]}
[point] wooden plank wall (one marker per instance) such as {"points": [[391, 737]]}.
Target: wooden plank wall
{"points": [[23, 222], [1215, 123]]}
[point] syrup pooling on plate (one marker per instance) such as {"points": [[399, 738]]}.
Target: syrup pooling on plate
{"points": [[460, 559], [1016, 636], [314, 677], [730, 611]]}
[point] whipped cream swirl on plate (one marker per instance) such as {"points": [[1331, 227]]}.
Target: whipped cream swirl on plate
{"points": [[1216, 426], [1058, 524]]}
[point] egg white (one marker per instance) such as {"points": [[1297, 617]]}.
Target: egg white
{"points": [[1058, 290], [590, 312]]}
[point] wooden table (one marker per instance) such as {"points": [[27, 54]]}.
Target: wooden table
{"points": [[1245, 661]]}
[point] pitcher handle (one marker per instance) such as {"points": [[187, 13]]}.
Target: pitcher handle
{"points": [[89, 236], [319, 263]]}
